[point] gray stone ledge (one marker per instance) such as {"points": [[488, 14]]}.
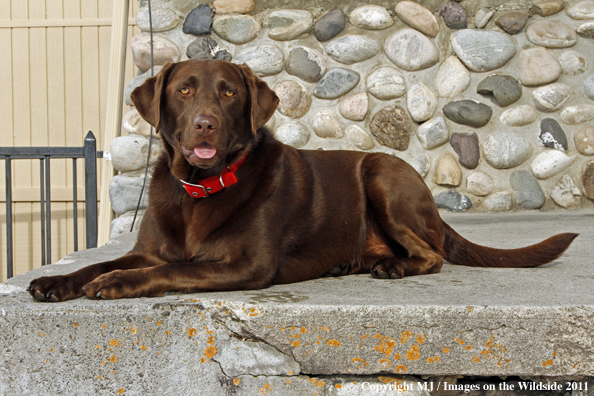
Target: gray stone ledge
{"points": [[315, 335]]}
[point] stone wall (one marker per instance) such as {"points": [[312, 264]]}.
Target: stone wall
{"points": [[490, 101]]}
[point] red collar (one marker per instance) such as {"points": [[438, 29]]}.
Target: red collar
{"points": [[213, 184]]}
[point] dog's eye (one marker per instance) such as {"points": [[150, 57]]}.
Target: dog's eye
{"points": [[229, 93], [184, 90]]}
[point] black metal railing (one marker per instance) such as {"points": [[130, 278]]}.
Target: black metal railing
{"points": [[44, 154]]}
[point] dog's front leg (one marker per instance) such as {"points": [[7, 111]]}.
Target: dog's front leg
{"points": [[203, 276], [66, 287]]}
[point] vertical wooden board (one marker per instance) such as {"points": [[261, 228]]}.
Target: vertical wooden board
{"points": [[21, 103], [39, 94], [6, 106], [3, 243], [22, 238]]}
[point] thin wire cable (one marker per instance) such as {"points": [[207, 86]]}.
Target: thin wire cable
{"points": [[148, 158]]}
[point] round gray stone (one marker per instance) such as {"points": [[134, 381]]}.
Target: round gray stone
{"points": [[199, 20], [581, 10], [288, 24], [552, 135], [306, 63], [421, 102], [504, 150], [129, 153], [359, 137], [586, 30], [164, 51], [502, 89], [418, 17], [335, 83], [551, 97], [572, 62], [468, 112], [386, 83], [163, 19], [294, 100], [588, 87], [566, 194], [293, 133], [453, 201], [122, 224], [433, 133], [264, 60], [206, 47], [330, 25], [372, 17], [551, 34], [352, 48], [454, 15], [482, 17], [483, 50], [479, 183], [237, 29], [411, 50], [124, 191], [422, 164], [527, 192], [518, 116], [500, 201]]}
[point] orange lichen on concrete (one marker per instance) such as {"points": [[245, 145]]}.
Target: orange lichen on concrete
{"points": [[75, 324], [121, 391], [400, 369], [476, 359], [459, 341], [113, 358], [364, 336], [325, 328], [388, 380], [338, 386], [210, 351], [333, 343], [295, 343], [468, 347], [547, 363], [114, 343], [143, 347], [413, 353], [316, 382], [133, 330], [303, 329], [385, 363], [397, 356], [436, 359], [236, 381], [385, 346], [421, 338], [496, 351], [446, 350], [191, 332], [292, 327], [406, 335], [360, 363]]}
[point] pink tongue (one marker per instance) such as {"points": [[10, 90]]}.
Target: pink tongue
{"points": [[205, 151]]}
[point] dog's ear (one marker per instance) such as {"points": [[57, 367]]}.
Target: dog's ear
{"points": [[263, 99], [147, 98]]}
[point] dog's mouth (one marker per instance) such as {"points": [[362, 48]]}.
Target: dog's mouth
{"points": [[202, 153]]}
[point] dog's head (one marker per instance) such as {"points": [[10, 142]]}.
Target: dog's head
{"points": [[207, 111]]}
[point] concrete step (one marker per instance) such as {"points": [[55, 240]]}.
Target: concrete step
{"points": [[333, 336]]}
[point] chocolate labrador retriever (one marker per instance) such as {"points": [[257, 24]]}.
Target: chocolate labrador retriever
{"points": [[232, 208]]}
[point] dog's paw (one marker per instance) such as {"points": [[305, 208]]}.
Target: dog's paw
{"points": [[54, 288], [387, 269], [116, 284]]}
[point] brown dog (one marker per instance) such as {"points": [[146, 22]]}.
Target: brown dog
{"points": [[232, 208]]}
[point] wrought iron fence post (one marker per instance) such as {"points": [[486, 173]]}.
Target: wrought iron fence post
{"points": [[90, 153], [9, 264]]}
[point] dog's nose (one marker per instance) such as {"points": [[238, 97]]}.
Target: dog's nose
{"points": [[205, 125]]}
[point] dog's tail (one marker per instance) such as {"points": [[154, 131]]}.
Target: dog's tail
{"points": [[460, 251]]}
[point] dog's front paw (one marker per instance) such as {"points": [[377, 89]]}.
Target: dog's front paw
{"points": [[116, 284], [55, 288], [387, 269]]}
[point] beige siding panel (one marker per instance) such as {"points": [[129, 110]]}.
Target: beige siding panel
{"points": [[55, 65]]}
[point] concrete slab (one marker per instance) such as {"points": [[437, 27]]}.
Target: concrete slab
{"points": [[327, 336]]}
